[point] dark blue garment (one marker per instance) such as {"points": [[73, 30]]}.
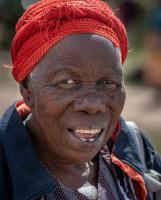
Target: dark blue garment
{"points": [[23, 178]]}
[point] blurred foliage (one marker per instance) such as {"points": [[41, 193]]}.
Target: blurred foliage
{"points": [[10, 11]]}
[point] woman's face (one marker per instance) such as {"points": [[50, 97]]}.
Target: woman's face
{"points": [[77, 95]]}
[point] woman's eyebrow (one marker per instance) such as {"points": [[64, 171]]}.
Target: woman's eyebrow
{"points": [[112, 70], [69, 70]]}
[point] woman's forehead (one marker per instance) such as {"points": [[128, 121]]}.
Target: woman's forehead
{"points": [[78, 41], [81, 52], [78, 48]]}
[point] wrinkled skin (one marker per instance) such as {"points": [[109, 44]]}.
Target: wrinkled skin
{"points": [[78, 84]]}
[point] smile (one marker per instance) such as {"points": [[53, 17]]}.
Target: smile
{"points": [[86, 135]]}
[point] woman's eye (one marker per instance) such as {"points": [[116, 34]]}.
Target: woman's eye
{"points": [[109, 84], [67, 84]]}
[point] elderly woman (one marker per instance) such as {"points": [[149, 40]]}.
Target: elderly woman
{"points": [[66, 139]]}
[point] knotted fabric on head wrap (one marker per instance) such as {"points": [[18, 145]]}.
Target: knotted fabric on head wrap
{"points": [[47, 22]]}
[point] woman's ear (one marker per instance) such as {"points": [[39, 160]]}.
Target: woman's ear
{"points": [[26, 93]]}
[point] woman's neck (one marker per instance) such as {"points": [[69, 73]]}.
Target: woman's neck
{"points": [[72, 175]]}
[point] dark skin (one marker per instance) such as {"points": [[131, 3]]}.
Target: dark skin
{"points": [[78, 84]]}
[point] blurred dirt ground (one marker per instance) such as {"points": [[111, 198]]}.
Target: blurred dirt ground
{"points": [[139, 107]]}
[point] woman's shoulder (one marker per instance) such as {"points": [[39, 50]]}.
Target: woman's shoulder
{"points": [[5, 183], [141, 144], [6, 117]]}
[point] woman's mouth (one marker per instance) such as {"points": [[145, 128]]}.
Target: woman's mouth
{"points": [[86, 135]]}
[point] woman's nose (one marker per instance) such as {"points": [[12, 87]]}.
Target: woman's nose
{"points": [[89, 104]]}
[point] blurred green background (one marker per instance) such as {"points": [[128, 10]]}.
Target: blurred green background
{"points": [[143, 104]]}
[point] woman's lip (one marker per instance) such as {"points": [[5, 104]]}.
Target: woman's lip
{"points": [[86, 137]]}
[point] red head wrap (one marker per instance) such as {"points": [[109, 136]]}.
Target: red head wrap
{"points": [[49, 21]]}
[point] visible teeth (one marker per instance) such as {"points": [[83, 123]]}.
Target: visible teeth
{"points": [[91, 139], [87, 140], [83, 139], [90, 131], [86, 135]]}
